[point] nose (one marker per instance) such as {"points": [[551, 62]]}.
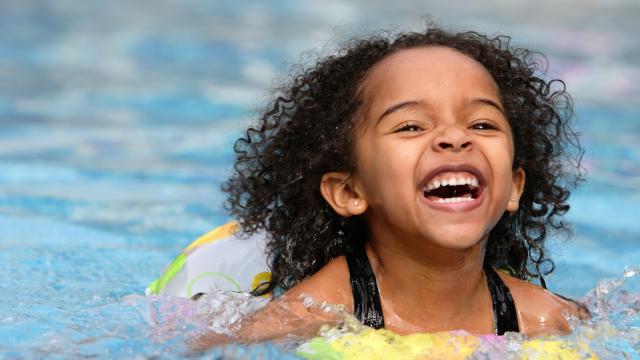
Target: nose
{"points": [[452, 138]]}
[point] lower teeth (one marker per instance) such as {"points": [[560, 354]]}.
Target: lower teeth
{"points": [[454, 199]]}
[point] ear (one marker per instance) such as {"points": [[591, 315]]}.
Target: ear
{"points": [[517, 187], [339, 191]]}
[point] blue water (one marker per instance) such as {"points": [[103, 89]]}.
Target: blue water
{"points": [[116, 126]]}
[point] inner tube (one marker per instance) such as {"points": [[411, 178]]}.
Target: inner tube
{"points": [[385, 345], [218, 260]]}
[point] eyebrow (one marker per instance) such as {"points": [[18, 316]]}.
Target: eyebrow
{"points": [[412, 103], [398, 106], [485, 101]]}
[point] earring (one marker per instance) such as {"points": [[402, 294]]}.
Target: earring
{"points": [[356, 203], [513, 199]]}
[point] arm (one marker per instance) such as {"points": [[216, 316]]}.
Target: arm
{"points": [[301, 311], [297, 316]]}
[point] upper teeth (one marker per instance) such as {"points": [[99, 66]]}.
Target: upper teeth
{"points": [[453, 181]]}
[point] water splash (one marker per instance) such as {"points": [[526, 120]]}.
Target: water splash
{"points": [[173, 317], [612, 332], [220, 317]]}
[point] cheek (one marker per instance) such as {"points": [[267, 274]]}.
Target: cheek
{"points": [[505, 182], [387, 172], [503, 162], [379, 168]]}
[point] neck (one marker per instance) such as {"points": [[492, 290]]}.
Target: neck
{"points": [[429, 284]]}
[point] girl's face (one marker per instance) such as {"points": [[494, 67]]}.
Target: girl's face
{"points": [[435, 150]]}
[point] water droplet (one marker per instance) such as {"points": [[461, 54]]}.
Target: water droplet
{"points": [[631, 271]]}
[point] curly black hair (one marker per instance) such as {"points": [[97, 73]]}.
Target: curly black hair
{"points": [[308, 129]]}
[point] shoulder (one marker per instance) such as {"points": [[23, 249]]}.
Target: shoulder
{"points": [[540, 312], [330, 284]]}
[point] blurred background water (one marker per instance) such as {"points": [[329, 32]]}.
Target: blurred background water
{"points": [[117, 121]]}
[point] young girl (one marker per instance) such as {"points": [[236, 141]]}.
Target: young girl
{"points": [[396, 176]]}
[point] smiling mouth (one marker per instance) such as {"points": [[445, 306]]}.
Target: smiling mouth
{"points": [[453, 189]]}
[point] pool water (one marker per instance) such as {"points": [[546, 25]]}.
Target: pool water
{"points": [[116, 128]]}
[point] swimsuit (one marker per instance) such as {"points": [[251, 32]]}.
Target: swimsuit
{"points": [[366, 298]]}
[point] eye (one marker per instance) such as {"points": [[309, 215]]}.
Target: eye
{"points": [[409, 127], [484, 126]]}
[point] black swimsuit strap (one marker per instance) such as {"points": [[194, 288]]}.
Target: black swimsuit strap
{"points": [[366, 298], [504, 310]]}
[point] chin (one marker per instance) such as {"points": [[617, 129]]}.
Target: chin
{"points": [[459, 244], [459, 240]]}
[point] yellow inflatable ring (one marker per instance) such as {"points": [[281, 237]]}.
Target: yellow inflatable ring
{"points": [[386, 345]]}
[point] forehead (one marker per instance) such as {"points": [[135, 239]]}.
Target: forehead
{"points": [[436, 74]]}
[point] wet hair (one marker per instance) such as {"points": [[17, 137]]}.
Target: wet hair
{"points": [[309, 127]]}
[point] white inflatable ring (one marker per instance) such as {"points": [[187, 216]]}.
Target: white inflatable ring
{"points": [[218, 260]]}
